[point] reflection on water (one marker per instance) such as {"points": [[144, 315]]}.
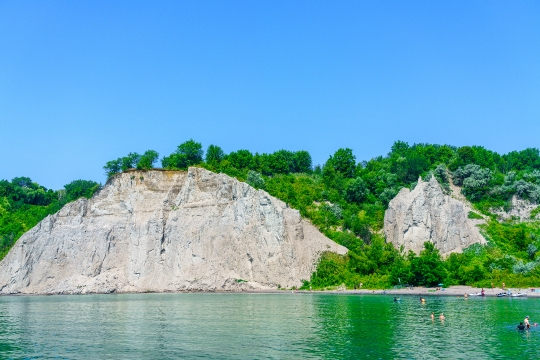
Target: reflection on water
{"points": [[170, 326]]}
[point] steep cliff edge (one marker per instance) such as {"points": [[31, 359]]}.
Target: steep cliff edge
{"points": [[427, 214], [166, 231]]}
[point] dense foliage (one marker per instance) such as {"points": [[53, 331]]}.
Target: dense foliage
{"points": [[131, 161], [24, 203], [346, 200]]}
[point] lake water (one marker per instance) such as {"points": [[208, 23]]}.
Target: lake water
{"points": [[258, 326]]}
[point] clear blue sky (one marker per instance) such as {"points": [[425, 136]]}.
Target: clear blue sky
{"points": [[84, 82]]}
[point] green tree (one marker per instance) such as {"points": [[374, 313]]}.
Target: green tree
{"points": [[465, 155], [428, 268], [356, 190], [399, 149], [240, 159], [400, 273], [187, 154], [147, 160], [281, 162], [302, 162], [130, 161], [80, 188], [344, 162], [193, 151], [175, 161], [23, 182], [214, 154], [112, 167], [255, 179]]}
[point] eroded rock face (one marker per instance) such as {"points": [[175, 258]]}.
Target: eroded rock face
{"points": [[427, 214], [520, 209], [166, 231]]}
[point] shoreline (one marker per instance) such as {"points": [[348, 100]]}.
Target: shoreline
{"points": [[455, 291]]}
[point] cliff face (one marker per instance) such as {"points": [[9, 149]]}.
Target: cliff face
{"points": [[166, 231], [427, 214]]}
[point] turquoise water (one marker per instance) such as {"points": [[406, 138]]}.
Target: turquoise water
{"points": [[258, 326]]}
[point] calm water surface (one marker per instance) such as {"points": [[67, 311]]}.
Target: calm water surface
{"points": [[257, 326]]}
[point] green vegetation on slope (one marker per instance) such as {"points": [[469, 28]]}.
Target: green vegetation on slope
{"points": [[24, 203], [347, 199]]}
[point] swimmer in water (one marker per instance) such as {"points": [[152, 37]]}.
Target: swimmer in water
{"points": [[432, 316], [442, 317]]}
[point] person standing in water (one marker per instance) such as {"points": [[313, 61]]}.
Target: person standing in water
{"points": [[432, 316], [442, 317], [526, 322], [521, 326]]}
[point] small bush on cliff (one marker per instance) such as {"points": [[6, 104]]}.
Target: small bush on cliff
{"points": [[255, 179], [80, 188]]}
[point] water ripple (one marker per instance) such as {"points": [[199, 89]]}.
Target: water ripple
{"points": [[263, 326]]}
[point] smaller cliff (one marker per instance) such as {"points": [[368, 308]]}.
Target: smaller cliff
{"points": [[427, 214], [520, 209]]}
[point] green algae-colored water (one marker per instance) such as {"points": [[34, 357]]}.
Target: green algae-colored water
{"points": [[258, 326]]}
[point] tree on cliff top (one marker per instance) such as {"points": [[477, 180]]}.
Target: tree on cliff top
{"points": [[131, 161], [187, 154]]}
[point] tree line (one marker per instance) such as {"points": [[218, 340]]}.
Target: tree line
{"points": [[191, 153], [346, 199]]}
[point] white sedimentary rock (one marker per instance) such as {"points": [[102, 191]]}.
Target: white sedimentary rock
{"points": [[520, 209], [427, 214], [166, 231]]}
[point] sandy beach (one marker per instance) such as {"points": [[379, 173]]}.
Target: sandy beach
{"points": [[450, 291]]}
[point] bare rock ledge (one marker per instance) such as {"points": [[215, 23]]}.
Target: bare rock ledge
{"points": [[427, 214], [166, 231]]}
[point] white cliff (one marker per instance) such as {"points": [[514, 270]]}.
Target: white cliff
{"points": [[166, 231], [427, 214]]}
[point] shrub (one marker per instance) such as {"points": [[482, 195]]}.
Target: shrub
{"points": [[473, 215], [255, 179]]}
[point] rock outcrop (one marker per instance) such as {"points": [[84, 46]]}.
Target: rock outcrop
{"points": [[519, 209], [427, 214], [166, 231]]}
